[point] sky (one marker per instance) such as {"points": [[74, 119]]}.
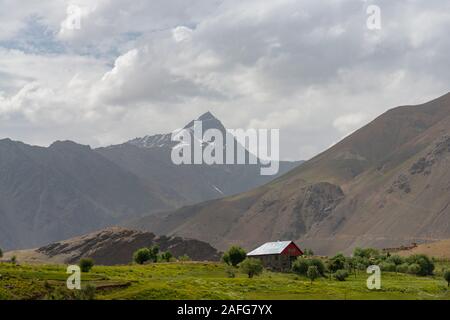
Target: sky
{"points": [[103, 72]]}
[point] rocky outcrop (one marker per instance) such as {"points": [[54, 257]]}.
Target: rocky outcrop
{"points": [[116, 245]]}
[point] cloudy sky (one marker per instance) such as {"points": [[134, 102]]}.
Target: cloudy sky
{"points": [[309, 67]]}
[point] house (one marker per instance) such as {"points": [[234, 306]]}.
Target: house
{"points": [[277, 256]]}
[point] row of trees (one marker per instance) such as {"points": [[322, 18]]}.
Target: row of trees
{"points": [[153, 254]]}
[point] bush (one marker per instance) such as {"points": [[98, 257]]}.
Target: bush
{"points": [[86, 264], [300, 266], [426, 265], [86, 293], [414, 268], [447, 277], [308, 253], [166, 256], [312, 273], [153, 253], [341, 275], [368, 253], [386, 266], [319, 264], [395, 259], [234, 256], [184, 257], [142, 255], [336, 263], [231, 272], [402, 268], [251, 267]]}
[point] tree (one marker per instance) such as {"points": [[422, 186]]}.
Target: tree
{"points": [[142, 255], [402, 268], [319, 264], [308, 253], [312, 273], [86, 264], [447, 277], [13, 259], [414, 268], [251, 267], [166, 256], [154, 251], [1, 253], [425, 264], [300, 266], [336, 263], [234, 256], [341, 275], [395, 259], [368, 253]]}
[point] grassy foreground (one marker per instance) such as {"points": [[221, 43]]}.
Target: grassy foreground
{"points": [[191, 280]]}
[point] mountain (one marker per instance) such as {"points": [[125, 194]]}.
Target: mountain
{"points": [[150, 158], [67, 189], [64, 190], [113, 246], [384, 185]]}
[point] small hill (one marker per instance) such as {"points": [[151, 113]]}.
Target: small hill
{"points": [[113, 246]]}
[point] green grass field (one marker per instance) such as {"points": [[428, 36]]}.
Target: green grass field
{"points": [[190, 280]]}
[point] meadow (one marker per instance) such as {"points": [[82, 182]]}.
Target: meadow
{"points": [[197, 280]]}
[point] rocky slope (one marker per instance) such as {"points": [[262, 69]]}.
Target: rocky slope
{"points": [[113, 246]]}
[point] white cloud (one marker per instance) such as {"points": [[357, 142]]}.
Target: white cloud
{"points": [[310, 68]]}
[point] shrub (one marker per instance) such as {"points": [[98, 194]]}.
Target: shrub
{"points": [[231, 272], [251, 267], [368, 253], [153, 253], [414, 268], [166, 256], [184, 257], [386, 266], [300, 266], [336, 263], [341, 275], [402, 268], [319, 264], [308, 253], [395, 259], [312, 273], [86, 264], [13, 259], [426, 265], [1, 253], [234, 256], [86, 293], [142, 255], [447, 277]]}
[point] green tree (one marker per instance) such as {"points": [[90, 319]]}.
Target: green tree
{"points": [[312, 273], [341, 275], [154, 252], [387, 266], [251, 267], [13, 259], [142, 255], [300, 266], [319, 264], [402, 268], [414, 268], [447, 277], [426, 265], [1, 253], [395, 259], [166, 256], [234, 256], [86, 264], [336, 263], [308, 253]]}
